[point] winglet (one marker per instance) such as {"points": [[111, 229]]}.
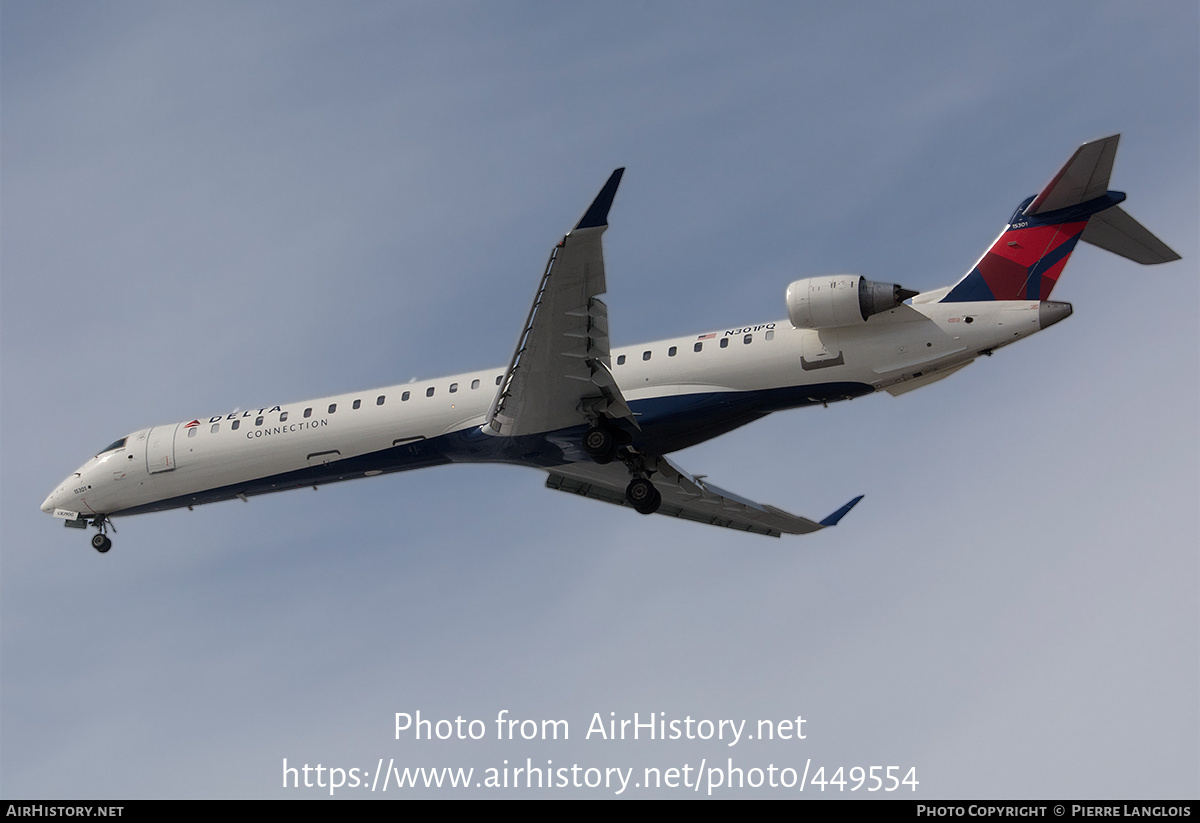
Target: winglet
{"points": [[597, 213], [832, 520]]}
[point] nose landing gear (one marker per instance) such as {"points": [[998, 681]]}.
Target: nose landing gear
{"points": [[100, 540]]}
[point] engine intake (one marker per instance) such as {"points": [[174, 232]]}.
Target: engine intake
{"points": [[840, 300]]}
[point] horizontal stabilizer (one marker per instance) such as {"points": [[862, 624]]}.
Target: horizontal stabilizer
{"points": [[1115, 231], [1083, 178]]}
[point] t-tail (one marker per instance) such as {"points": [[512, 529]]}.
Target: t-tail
{"points": [[1026, 260]]}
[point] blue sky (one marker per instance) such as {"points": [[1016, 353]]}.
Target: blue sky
{"points": [[210, 206]]}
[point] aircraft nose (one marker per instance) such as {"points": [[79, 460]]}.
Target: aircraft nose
{"points": [[54, 500]]}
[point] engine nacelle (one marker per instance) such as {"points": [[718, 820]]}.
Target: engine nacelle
{"points": [[840, 300]]}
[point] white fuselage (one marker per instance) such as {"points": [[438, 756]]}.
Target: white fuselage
{"points": [[680, 396]]}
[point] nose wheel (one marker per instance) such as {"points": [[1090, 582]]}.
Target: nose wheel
{"points": [[100, 540]]}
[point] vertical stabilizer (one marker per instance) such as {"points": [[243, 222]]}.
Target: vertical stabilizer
{"points": [[1025, 262]]}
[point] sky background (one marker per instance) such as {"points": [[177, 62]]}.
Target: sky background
{"points": [[231, 205]]}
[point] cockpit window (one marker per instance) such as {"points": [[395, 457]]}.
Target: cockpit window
{"points": [[116, 445]]}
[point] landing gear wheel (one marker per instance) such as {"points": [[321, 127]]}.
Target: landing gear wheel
{"points": [[600, 444], [652, 507], [101, 543], [642, 495]]}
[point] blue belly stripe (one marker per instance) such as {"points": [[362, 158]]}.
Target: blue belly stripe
{"points": [[667, 424]]}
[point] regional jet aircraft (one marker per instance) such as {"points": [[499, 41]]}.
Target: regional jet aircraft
{"points": [[601, 422]]}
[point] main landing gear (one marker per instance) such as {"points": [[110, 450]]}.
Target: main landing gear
{"points": [[603, 442], [600, 442], [642, 495]]}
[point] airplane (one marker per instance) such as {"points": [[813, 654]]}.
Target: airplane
{"points": [[601, 422]]}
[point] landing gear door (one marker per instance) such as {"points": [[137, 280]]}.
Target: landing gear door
{"points": [[160, 449]]}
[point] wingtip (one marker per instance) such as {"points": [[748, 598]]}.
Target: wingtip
{"points": [[597, 213], [832, 520]]}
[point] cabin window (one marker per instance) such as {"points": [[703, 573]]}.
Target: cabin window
{"points": [[357, 404], [283, 417], [332, 408], [405, 396], [453, 388], [475, 383], [747, 339], [192, 431], [724, 342], [671, 352], [771, 334], [308, 412], [379, 400], [620, 360], [645, 355], [234, 425], [216, 427], [499, 377], [258, 421], [429, 392], [697, 347]]}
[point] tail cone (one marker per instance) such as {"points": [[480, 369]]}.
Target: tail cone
{"points": [[1050, 312]]}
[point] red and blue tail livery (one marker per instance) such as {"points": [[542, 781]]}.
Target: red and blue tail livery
{"points": [[1026, 260], [1024, 263]]}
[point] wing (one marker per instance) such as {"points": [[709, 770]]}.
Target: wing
{"points": [[688, 497], [559, 375]]}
